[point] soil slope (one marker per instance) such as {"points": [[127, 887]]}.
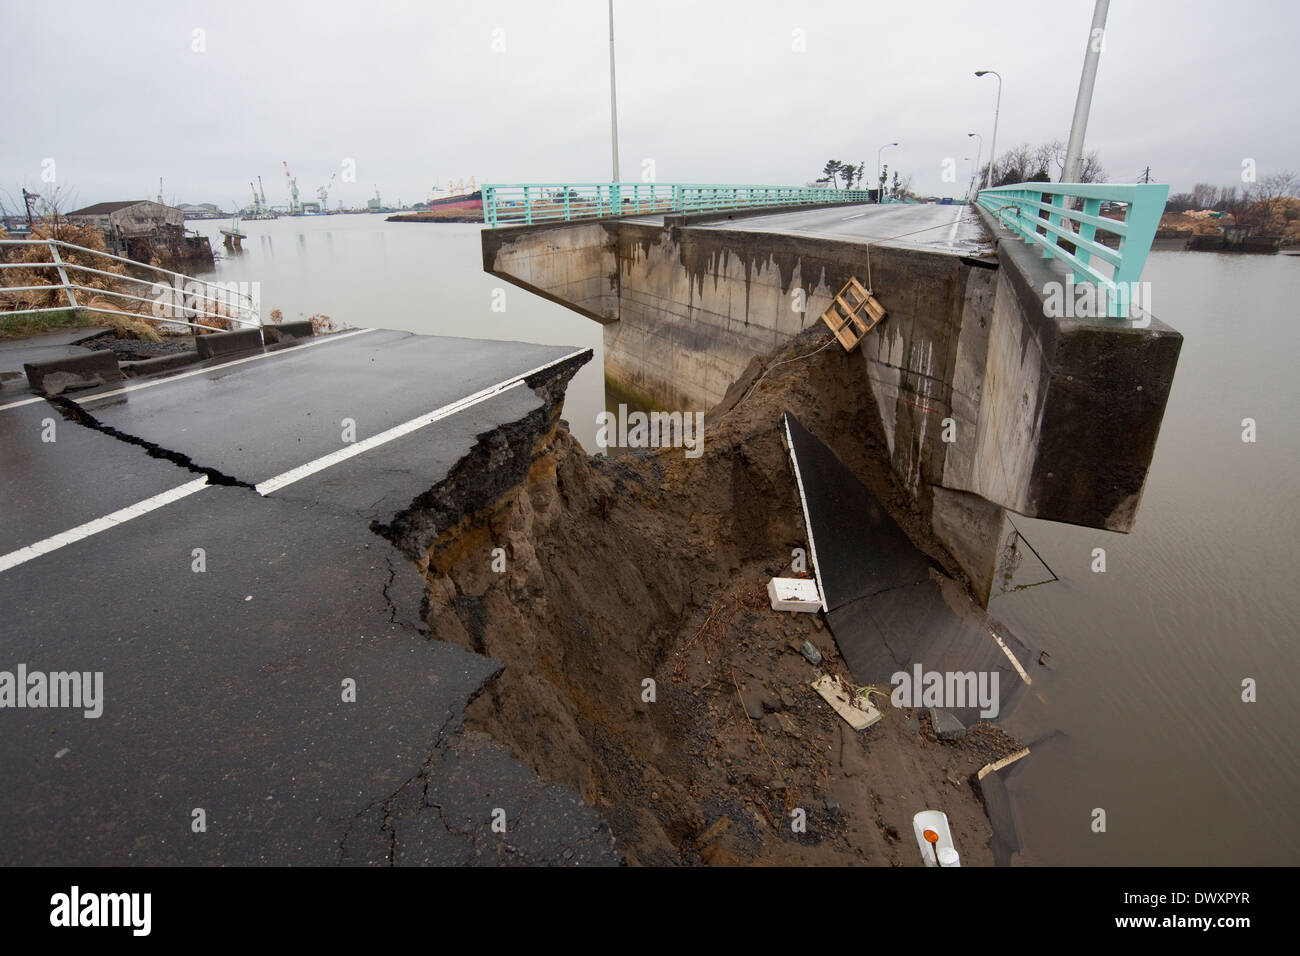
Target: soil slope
{"points": [[652, 567]]}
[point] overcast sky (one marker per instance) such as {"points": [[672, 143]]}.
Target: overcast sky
{"points": [[119, 94]]}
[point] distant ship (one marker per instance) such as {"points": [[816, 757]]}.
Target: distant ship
{"points": [[472, 200], [455, 196]]}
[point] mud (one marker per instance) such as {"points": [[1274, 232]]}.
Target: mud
{"points": [[644, 666]]}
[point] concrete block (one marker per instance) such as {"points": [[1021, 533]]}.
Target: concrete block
{"points": [[288, 331], [163, 363], [75, 371], [974, 532], [226, 343], [946, 725]]}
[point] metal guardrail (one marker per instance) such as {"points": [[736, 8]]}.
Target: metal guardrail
{"points": [[177, 302], [526, 203], [1041, 214]]}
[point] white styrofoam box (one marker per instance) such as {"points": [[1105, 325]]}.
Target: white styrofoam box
{"points": [[794, 594]]}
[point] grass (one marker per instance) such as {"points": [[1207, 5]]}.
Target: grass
{"points": [[19, 326]]}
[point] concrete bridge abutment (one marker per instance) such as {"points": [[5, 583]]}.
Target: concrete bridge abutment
{"points": [[987, 403]]}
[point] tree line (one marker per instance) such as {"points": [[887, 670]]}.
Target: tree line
{"points": [[850, 174], [1044, 163], [1271, 202]]}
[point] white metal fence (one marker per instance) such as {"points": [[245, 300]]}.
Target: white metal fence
{"points": [[526, 203], [176, 299]]}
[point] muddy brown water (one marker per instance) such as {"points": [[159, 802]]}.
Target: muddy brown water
{"points": [[1141, 715]]}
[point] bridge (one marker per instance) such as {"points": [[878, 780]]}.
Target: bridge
{"points": [[994, 391]]}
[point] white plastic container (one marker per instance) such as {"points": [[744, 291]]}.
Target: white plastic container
{"points": [[942, 852]]}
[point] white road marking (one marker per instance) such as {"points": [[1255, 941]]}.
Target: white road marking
{"points": [[807, 518], [858, 216], [1012, 657], [72, 535], [952, 233], [374, 441], [351, 451], [25, 401], [215, 368]]}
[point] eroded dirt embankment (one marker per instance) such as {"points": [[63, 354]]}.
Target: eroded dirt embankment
{"points": [[653, 567]]}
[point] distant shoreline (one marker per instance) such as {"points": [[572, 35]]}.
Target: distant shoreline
{"points": [[456, 215]]}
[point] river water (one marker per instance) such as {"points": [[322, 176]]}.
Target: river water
{"points": [[1148, 658]]}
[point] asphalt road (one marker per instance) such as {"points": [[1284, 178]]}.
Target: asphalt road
{"points": [[953, 229], [223, 688]]}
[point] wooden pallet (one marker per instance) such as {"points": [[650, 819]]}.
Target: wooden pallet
{"points": [[852, 314]]}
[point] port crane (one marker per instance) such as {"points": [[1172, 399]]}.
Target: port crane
{"points": [[293, 188], [322, 193]]}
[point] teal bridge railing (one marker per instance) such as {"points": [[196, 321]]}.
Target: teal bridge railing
{"points": [[1043, 214], [527, 203]]}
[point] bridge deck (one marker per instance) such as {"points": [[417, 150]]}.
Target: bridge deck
{"points": [[932, 226]]}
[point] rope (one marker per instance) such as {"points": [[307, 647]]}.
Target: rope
{"points": [[823, 348], [1031, 547]]}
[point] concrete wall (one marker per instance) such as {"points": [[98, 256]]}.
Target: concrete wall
{"points": [[979, 392], [569, 264]]}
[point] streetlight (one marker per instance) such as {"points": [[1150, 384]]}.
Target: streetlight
{"points": [[613, 94], [881, 193], [979, 150], [993, 143]]}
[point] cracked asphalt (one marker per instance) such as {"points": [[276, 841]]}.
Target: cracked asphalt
{"points": [[224, 689]]}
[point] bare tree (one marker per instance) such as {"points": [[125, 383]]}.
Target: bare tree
{"points": [[1270, 196], [1204, 196], [1035, 164]]}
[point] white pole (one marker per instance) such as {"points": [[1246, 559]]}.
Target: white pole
{"points": [[993, 143], [1083, 103], [880, 195], [613, 94]]}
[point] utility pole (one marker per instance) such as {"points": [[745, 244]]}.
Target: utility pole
{"points": [[1083, 103], [613, 95], [1146, 175], [27, 204]]}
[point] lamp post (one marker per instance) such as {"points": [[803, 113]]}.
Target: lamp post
{"points": [[979, 150], [881, 194], [613, 94], [997, 108], [1083, 103]]}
